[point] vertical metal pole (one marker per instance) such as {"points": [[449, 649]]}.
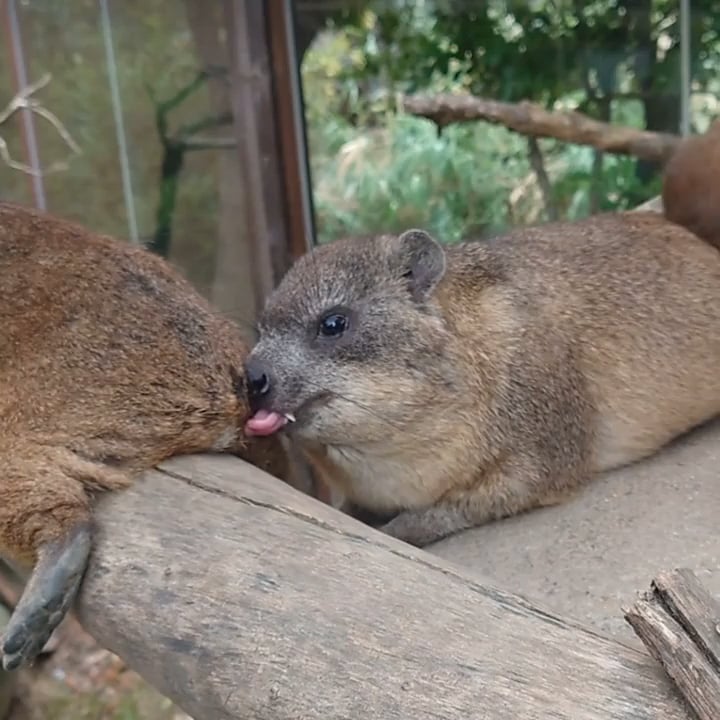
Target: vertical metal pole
{"points": [[106, 27], [685, 78], [17, 57], [253, 114]]}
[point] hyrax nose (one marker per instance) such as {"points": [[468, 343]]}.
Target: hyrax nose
{"points": [[258, 381]]}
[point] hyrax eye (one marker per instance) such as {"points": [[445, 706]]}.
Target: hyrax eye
{"points": [[333, 325]]}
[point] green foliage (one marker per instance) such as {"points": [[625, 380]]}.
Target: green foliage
{"points": [[404, 174], [375, 169]]}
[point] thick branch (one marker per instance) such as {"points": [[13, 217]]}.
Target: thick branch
{"points": [[239, 597], [530, 119]]}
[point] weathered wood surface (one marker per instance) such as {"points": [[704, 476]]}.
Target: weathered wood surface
{"points": [[531, 119], [239, 597], [679, 623]]}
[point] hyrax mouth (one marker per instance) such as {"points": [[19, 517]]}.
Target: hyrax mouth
{"points": [[267, 422]]}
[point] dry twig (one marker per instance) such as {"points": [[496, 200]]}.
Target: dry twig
{"points": [[24, 100]]}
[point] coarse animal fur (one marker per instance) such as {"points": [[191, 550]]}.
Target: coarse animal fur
{"points": [[475, 381], [110, 362], [691, 187]]}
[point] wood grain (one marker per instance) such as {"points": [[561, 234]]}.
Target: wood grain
{"points": [[239, 597], [678, 623], [695, 609]]}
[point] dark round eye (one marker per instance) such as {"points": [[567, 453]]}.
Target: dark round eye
{"points": [[333, 325]]}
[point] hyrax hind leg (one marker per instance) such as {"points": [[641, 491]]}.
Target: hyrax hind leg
{"points": [[514, 487], [45, 521]]}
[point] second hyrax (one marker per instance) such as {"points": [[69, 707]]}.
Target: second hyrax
{"points": [[449, 386], [110, 362]]}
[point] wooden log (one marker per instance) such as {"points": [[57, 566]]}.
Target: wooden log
{"points": [[239, 597], [679, 622], [530, 119]]}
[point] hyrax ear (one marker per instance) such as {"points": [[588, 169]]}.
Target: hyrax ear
{"points": [[422, 261]]}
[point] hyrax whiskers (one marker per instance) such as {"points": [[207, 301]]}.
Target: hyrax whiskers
{"points": [[110, 363], [453, 385]]}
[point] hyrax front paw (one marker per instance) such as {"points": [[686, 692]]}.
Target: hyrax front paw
{"points": [[48, 595], [422, 527]]}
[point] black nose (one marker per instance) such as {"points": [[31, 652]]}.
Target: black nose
{"points": [[258, 381]]}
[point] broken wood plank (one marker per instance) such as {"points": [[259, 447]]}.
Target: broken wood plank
{"points": [[239, 597], [678, 621]]}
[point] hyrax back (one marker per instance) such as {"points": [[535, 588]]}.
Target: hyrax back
{"points": [[109, 363], [462, 384]]}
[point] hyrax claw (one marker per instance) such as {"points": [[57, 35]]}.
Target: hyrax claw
{"points": [[47, 597]]}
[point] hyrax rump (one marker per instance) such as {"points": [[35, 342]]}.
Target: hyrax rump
{"points": [[449, 386], [110, 363]]}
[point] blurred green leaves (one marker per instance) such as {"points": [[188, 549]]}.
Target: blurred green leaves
{"points": [[376, 169]]}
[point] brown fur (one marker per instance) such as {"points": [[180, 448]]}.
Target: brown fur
{"points": [[110, 363], [691, 191], [484, 379]]}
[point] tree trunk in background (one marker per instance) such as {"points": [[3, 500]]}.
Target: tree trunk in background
{"points": [[662, 114], [661, 107], [232, 291]]}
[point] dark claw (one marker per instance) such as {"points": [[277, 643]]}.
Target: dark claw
{"points": [[48, 595]]}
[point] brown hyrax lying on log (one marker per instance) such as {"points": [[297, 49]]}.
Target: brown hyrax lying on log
{"points": [[110, 363], [449, 386]]}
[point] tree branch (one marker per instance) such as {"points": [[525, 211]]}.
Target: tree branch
{"points": [[531, 119], [24, 101], [176, 145], [537, 162]]}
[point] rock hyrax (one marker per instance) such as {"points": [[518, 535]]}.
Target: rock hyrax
{"points": [[110, 363], [452, 385]]}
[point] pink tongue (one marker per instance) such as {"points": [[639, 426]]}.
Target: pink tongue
{"points": [[264, 423]]}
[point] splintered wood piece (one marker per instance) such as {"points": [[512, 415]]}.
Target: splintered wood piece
{"points": [[693, 607], [677, 620]]}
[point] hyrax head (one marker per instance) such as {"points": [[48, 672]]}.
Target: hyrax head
{"points": [[352, 348]]}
